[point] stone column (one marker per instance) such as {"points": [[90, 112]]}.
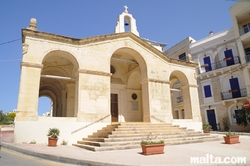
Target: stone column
{"points": [[194, 101], [145, 101], [70, 99], [156, 101], [27, 107], [186, 102], [93, 96], [246, 74]]}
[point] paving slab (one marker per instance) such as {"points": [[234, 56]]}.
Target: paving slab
{"points": [[175, 155]]}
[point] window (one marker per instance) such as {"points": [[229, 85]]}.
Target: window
{"points": [[182, 57], [246, 27], [207, 91]]}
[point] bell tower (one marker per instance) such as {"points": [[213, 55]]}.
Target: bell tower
{"points": [[126, 19]]}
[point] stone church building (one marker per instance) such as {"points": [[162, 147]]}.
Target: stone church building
{"points": [[99, 80]]}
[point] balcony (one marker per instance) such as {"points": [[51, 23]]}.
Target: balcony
{"points": [[245, 29], [179, 99], [231, 94], [220, 64]]}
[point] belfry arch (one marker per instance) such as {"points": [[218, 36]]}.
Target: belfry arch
{"points": [[58, 79]]}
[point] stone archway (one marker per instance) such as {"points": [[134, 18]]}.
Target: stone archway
{"points": [[58, 81], [130, 69], [180, 89]]}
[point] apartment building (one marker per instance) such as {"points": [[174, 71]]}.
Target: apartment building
{"points": [[222, 71]]}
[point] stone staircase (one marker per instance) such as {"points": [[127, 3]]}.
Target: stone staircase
{"points": [[129, 135]]}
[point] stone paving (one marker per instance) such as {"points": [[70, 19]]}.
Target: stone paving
{"points": [[176, 155]]}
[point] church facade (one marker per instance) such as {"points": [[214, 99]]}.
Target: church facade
{"points": [[100, 80]]}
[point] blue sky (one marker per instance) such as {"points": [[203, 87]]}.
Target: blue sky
{"points": [[165, 21]]}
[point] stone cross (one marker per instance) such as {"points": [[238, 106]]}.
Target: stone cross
{"points": [[126, 8]]}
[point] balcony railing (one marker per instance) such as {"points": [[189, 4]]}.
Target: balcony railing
{"points": [[179, 99], [244, 30], [234, 94], [222, 64]]}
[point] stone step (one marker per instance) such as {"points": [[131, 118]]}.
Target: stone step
{"points": [[145, 131], [144, 135], [139, 139], [137, 145], [139, 124], [129, 135], [147, 128], [121, 132]]}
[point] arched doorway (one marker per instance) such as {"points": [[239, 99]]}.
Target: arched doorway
{"points": [[180, 96], [177, 99], [58, 81], [45, 106], [128, 70]]}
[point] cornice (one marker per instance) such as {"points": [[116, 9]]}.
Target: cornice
{"points": [[35, 65], [83, 41]]}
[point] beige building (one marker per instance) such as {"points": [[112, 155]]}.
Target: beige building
{"points": [[100, 80], [223, 69]]}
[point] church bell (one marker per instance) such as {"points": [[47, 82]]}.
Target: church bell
{"points": [[126, 23]]}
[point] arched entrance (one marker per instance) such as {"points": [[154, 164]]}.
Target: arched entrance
{"points": [[58, 81], [128, 70], [45, 106], [180, 96]]}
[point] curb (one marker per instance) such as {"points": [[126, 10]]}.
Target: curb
{"points": [[55, 158]]}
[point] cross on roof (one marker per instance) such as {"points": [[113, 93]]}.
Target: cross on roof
{"points": [[126, 8]]}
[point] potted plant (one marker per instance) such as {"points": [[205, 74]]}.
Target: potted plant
{"points": [[206, 128], [150, 146], [225, 123], [231, 138], [53, 134]]}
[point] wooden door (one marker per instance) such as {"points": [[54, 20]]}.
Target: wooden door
{"points": [[114, 107], [235, 87], [208, 63], [211, 119]]}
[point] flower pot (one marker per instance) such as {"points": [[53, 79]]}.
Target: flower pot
{"points": [[152, 149], [231, 139], [52, 141]]}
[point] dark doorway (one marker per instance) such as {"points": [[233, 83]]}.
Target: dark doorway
{"points": [[229, 57], [235, 87], [114, 107], [207, 61], [211, 119]]}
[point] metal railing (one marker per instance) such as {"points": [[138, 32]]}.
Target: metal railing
{"points": [[158, 119], [89, 124], [222, 64], [244, 30], [229, 94]]}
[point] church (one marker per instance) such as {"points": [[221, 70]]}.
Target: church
{"points": [[100, 80]]}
